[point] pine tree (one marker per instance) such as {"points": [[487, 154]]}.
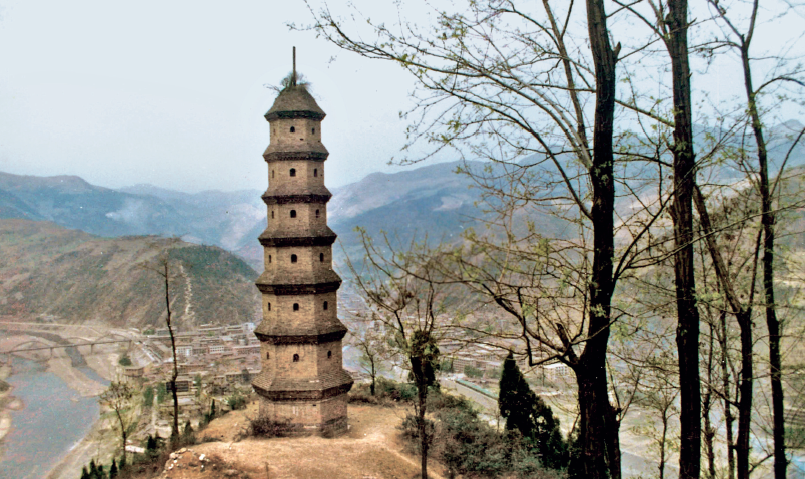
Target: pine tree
{"points": [[93, 469], [526, 412], [84, 473], [113, 469]]}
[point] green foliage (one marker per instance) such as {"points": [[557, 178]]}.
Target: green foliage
{"points": [[236, 401], [472, 372], [387, 392], [149, 332], [527, 413], [467, 445], [124, 360], [148, 396], [162, 392], [113, 469]]}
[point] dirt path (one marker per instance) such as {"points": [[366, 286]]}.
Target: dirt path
{"points": [[369, 450]]}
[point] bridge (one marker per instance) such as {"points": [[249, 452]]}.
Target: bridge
{"points": [[50, 348]]}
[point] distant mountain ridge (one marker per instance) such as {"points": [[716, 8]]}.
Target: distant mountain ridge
{"points": [[430, 200]]}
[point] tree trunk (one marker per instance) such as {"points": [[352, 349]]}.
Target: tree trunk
{"points": [[372, 384], [707, 404], [600, 446], [597, 425], [687, 333], [175, 427], [729, 419], [773, 324], [742, 446], [419, 366]]}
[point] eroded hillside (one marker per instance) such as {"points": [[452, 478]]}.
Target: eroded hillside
{"points": [[71, 276]]}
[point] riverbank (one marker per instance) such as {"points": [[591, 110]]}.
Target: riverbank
{"points": [[84, 376]]}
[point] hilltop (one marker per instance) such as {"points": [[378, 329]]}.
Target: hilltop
{"points": [[72, 276]]}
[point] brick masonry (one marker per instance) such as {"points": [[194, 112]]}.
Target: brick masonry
{"points": [[302, 383]]}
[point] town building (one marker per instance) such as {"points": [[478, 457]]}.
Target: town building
{"points": [[302, 384]]}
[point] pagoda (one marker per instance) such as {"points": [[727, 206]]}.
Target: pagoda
{"points": [[302, 384]]}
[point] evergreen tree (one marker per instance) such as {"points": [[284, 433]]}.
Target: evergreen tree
{"points": [[84, 473], [93, 469], [527, 413], [113, 469], [101, 474]]}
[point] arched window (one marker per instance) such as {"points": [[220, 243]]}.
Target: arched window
{"points": [[296, 306], [293, 258], [293, 129], [296, 358], [268, 306], [272, 214], [293, 171], [272, 173], [315, 172], [269, 258], [268, 356], [293, 213], [313, 131], [329, 354], [321, 257], [325, 305], [317, 213]]}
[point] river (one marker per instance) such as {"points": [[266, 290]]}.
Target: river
{"points": [[53, 420]]}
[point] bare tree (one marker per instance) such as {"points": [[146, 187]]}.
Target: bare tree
{"points": [[117, 397], [410, 300], [373, 346], [740, 40], [162, 265], [506, 82]]}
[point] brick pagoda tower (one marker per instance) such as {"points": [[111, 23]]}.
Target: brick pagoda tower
{"points": [[302, 385]]}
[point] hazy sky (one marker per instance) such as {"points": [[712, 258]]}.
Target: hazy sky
{"points": [[172, 92]]}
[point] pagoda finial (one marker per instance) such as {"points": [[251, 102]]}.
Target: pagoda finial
{"points": [[293, 76]]}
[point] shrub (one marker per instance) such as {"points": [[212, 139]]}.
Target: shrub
{"points": [[236, 401], [265, 427]]}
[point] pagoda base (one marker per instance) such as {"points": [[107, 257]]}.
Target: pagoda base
{"points": [[325, 417]]}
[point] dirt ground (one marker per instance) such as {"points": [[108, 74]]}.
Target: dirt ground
{"points": [[369, 450]]}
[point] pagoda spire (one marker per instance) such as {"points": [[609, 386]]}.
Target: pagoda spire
{"points": [[293, 75]]}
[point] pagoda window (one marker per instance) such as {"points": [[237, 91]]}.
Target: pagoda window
{"points": [[321, 257], [272, 173], [268, 306], [296, 358], [268, 356], [317, 213], [313, 131], [293, 171], [293, 129], [293, 213], [325, 305], [315, 172], [272, 214], [269, 258], [296, 306], [293, 258], [329, 354]]}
